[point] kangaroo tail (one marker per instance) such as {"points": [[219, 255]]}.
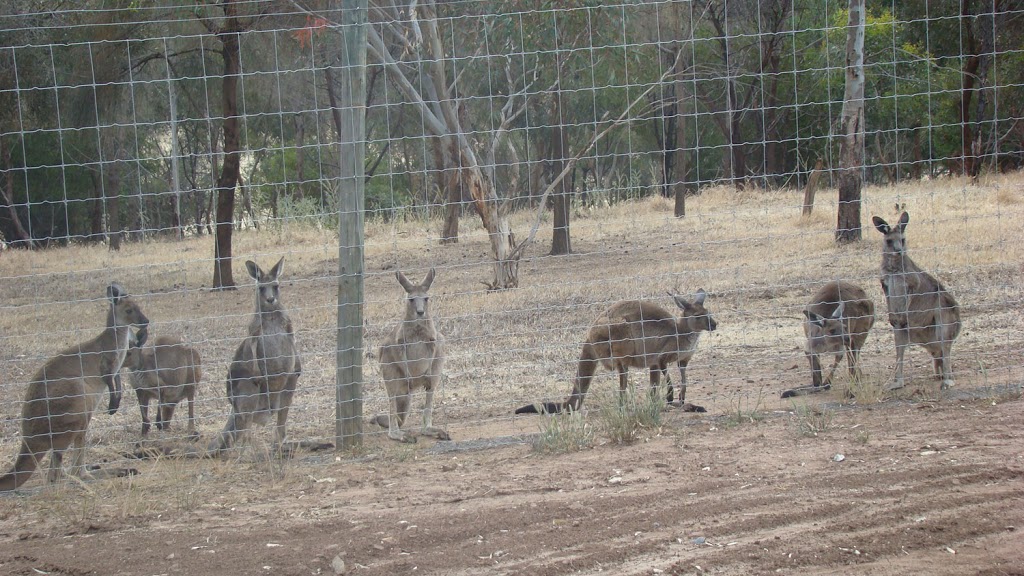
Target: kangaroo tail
{"points": [[22, 470], [541, 408]]}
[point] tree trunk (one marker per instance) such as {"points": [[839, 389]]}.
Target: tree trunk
{"points": [[851, 151], [968, 75], [229, 172], [811, 188], [986, 23], [681, 164], [112, 185], [97, 208], [560, 241], [228, 181], [22, 237], [450, 189]]}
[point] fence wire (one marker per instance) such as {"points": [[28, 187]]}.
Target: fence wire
{"points": [[628, 149]]}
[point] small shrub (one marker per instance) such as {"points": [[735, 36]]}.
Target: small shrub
{"points": [[812, 420], [865, 390], [746, 409], [564, 432], [625, 421]]}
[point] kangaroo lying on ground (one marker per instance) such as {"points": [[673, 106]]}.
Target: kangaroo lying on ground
{"points": [[63, 394], [266, 366], [637, 334], [412, 357], [836, 321], [921, 310], [168, 372]]}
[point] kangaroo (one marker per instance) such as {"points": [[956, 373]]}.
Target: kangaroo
{"points": [[266, 367], [637, 334], [921, 310], [64, 393], [836, 321], [167, 372], [412, 357]]}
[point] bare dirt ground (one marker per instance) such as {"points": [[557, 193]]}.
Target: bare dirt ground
{"points": [[934, 487], [928, 482]]}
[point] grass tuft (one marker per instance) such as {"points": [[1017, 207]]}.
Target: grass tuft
{"points": [[746, 409], [563, 433], [629, 420], [812, 420], [865, 390]]}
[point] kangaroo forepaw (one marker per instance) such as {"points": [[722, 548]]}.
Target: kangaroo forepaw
{"points": [[436, 433], [402, 437]]}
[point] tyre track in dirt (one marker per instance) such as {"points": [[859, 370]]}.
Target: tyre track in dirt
{"points": [[755, 498]]}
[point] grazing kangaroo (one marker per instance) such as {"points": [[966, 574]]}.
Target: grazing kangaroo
{"points": [[168, 372], [836, 321], [637, 334], [266, 366], [921, 310], [412, 357], [64, 393]]}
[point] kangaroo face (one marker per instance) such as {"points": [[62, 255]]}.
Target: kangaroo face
{"points": [[895, 242], [825, 334], [133, 359], [417, 299], [126, 312], [268, 290], [695, 314]]}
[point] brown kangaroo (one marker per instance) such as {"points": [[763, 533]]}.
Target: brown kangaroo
{"points": [[168, 372], [637, 334], [921, 310], [836, 321], [266, 366], [64, 393], [412, 357]]}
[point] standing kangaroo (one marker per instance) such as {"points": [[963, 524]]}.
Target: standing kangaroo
{"points": [[836, 321], [266, 367], [64, 393], [167, 372], [637, 334], [412, 357], [920, 309]]}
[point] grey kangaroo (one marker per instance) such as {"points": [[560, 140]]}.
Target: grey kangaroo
{"points": [[412, 357], [266, 366], [921, 310], [637, 334], [836, 321], [168, 372], [64, 393]]}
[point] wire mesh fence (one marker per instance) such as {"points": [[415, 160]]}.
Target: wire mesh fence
{"points": [[609, 151]]}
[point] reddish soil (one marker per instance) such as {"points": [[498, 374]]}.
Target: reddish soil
{"points": [[933, 487]]}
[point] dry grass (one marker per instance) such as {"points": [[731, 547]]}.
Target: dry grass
{"points": [[759, 260]]}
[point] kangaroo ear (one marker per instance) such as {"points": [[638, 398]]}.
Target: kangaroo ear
{"points": [[428, 280], [815, 319], [403, 281], [701, 295], [880, 225], [115, 293], [253, 269], [839, 311], [681, 302], [275, 272], [904, 220]]}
